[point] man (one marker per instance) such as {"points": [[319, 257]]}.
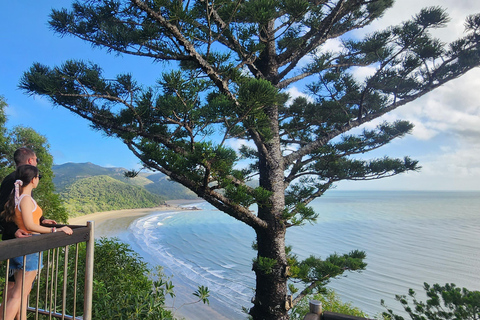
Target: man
{"points": [[21, 157]]}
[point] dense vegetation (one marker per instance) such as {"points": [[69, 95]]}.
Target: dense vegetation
{"points": [[66, 174], [69, 173], [163, 186], [330, 302], [123, 288], [104, 193]]}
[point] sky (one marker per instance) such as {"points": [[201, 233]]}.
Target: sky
{"points": [[446, 138]]}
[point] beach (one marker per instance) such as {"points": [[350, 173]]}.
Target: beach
{"points": [[112, 223]]}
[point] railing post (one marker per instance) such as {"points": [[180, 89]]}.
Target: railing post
{"points": [[90, 244], [315, 310]]}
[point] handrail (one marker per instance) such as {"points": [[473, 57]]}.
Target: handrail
{"points": [[23, 246]]}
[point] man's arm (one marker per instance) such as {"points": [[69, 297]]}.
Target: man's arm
{"points": [[9, 230], [21, 234], [45, 221]]}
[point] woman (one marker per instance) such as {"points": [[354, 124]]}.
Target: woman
{"points": [[24, 211]]}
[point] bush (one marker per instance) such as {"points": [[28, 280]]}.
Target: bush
{"points": [[123, 287], [330, 302]]}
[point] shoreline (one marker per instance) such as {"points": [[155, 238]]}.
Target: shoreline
{"points": [[115, 224], [119, 220], [107, 215]]}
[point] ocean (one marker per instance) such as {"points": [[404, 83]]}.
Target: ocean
{"points": [[409, 238]]}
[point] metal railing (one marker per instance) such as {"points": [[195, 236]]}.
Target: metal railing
{"points": [[56, 279]]}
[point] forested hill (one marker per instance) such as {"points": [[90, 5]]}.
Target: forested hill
{"points": [[88, 188], [104, 193]]}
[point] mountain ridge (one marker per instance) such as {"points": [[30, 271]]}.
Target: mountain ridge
{"points": [[87, 187]]}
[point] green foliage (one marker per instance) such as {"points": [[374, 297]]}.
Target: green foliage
{"points": [[202, 293], [300, 214], [444, 302], [264, 264], [318, 272], [104, 193], [330, 302], [53, 207], [123, 288]]}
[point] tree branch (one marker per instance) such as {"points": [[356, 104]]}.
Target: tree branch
{"points": [[189, 47], [214, 198]]}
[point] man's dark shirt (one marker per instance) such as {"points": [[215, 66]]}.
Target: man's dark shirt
{"points": [[9, 228]]}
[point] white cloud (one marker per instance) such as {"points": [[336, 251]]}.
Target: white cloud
{"points": [[463, 162], [453, 108], [458, 168], [334, 45], [361, 73], [294, 93], [235, 144], [405, 9], [423, 132]]}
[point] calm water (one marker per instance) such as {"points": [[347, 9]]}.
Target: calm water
{"points": [[409, 238]]}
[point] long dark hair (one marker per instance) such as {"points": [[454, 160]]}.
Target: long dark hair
{"points": [[25, 174]]}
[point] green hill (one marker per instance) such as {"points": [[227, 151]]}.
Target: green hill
{"points": [[156, 183], [163, 186], [104, 193], [68, 173]]}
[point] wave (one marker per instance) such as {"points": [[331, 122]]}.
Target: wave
{"points": [[153, 232]]}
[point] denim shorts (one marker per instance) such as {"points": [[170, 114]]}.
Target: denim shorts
{"points": [[30, 265]]}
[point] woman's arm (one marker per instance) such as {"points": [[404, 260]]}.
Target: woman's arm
{"points": [[27, 210]]}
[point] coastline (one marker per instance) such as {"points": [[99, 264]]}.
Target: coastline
{"points": [[115, 223]]}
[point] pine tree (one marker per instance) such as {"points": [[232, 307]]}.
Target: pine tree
{"points": [[230, 65]]}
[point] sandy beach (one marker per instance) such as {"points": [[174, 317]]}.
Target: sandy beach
{"points": [[114, 223]]}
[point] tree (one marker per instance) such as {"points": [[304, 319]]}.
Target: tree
{"points": [[444, 302], [19, 136], [230, 65]]}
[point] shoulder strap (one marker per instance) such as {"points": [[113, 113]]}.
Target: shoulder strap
{"points": [[20, 201]]}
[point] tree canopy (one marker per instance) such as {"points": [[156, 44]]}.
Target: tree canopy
{"points": [[229, 64], [443, 303]]}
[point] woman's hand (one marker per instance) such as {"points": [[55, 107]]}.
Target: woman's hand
{"points": [[65, 229]]}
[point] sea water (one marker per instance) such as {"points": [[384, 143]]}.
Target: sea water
{"points": [[409, 238]]}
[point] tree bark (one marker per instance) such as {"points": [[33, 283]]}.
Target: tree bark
{"points": [[271, 284]]}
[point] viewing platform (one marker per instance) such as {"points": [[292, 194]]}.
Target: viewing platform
{"points": [[63, 288]]}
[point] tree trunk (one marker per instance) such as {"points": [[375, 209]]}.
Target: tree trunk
{"points": [[271, 263], [271, 284]]}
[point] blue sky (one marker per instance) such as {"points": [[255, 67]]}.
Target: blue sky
{"points": [[445, 139]]}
